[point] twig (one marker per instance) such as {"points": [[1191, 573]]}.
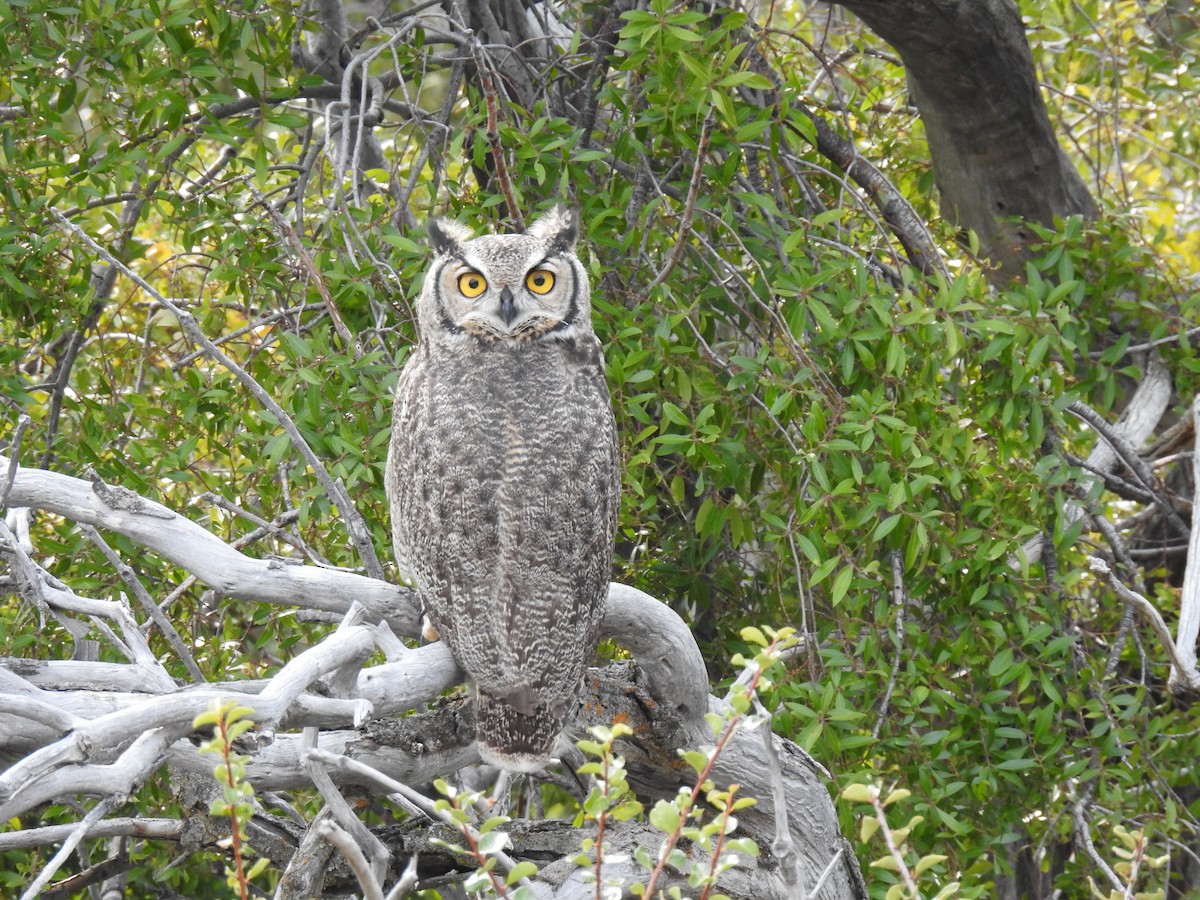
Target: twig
{"points": [[890, 841], [828, 871], [359, 533], [95, 814], [1182, 670], [153, 829], [902, 219], [1150, 345], [265, 528], [14, 454], [900, 600], [1129, 456], [1083, 835], [139, 591], [310, 268], [493, 134], [373, 776], [353, 854], [689, 204], [270, 319]]}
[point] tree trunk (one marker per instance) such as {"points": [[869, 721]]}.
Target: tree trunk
{"points": [[995, 154]]}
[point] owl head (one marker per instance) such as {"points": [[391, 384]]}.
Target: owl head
{"points": [[505, 288]]}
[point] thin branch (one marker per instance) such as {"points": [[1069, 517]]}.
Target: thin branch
{"points": [[14, 453], [890, 840], [147, 602], [139, 827], [1177, 338], [337, 493], [903, 220], [373, 776], [900, 601], [1083, 836], [689, 204], [1181, 670], [78, 833], [1189, 594], [503, 177], [827, 872], [353, 854], [1129, 456]]}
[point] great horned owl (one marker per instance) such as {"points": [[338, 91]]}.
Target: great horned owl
{"points": [[503, 475]]}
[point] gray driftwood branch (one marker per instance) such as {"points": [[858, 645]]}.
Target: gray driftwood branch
{"points": [[88, 728]]}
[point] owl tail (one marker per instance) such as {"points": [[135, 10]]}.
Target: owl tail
{"points": [[516, 732]]}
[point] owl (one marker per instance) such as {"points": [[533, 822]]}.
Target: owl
{"points": [[503, 476]]}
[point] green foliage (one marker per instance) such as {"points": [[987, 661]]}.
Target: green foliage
{"points": [[229, 722], [814, 435], [682, 818], [481, 845]]}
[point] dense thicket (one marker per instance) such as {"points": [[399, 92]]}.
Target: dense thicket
{"points": [[836, 413]]}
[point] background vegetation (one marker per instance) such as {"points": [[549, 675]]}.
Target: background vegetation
{"points": [[816, 433]]}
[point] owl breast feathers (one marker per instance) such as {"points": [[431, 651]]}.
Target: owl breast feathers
{"points": [[503, 476]]}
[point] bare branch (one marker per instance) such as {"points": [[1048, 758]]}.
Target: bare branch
{"points": [[1184, 675], [487, 82], [368, 879], [689, 204], [1128, 455], [14, 451], [139, 591], [80, 831], [152, 829], [1189, 595], [192, 547], [900, 601]]}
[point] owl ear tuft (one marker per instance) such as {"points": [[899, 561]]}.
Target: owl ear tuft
{"points": [[558, 228], [447, 236]]}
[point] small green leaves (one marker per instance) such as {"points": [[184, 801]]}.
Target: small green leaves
{"points": [[665, 816], [860, 793], [229, 720]]}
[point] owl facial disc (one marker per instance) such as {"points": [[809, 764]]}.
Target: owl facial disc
{"points": [[520, 302]]}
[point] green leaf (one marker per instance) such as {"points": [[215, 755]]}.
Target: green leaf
{"points": [[841, 585], [523, 869], [665, 817]]}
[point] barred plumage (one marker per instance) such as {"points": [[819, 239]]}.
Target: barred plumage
{"points": [[503, 475]]}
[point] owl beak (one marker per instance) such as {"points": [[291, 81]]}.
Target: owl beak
{"points": [[508, 309]]}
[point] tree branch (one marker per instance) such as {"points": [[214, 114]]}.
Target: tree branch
{"points": [[1189, 595]]}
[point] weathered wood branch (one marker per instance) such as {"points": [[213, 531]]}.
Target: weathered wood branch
{"points": [[77, 740], [1183, 677]]}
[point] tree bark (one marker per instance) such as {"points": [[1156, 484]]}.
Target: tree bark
{"points": [[994, 151]]}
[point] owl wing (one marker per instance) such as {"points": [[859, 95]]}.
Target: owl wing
{"points": [[504, 489]]}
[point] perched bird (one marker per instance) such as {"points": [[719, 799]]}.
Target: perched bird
{"points": [[503, 475]]}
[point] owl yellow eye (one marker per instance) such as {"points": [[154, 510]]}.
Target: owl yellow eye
{"points": [[540, 281], [472, 284]]}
